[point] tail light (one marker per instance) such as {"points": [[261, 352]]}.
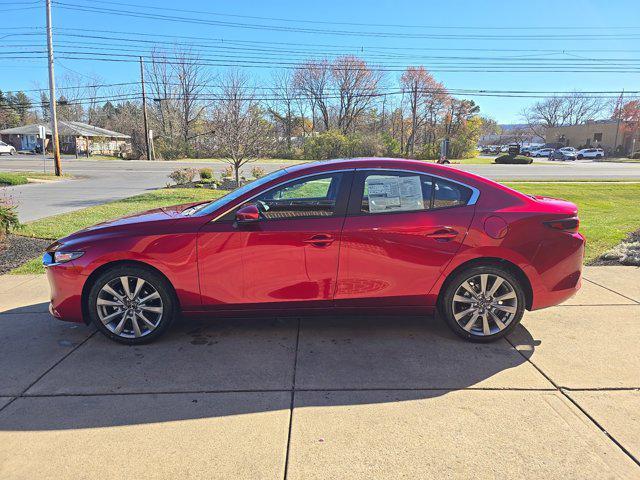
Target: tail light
{"points": [[569, 225]]}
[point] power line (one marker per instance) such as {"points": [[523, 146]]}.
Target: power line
{"points": [[199, 21]]}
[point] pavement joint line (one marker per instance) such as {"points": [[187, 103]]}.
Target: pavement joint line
{"points": [[293, 396], [564, 393], [284, 390], [601, 304], [607, 288], [48, 370]]}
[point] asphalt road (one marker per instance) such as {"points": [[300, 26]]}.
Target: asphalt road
{"points": [[103, 181]]}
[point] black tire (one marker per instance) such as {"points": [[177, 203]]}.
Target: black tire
{"points": [[445, 304], [580, 157], [155, 280], [12, 152]]}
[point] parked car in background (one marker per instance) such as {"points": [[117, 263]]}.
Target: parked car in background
{"points": [[590, 153], [377, 235], [6, 148], [566, 153], [490, 149], [542, 152]]}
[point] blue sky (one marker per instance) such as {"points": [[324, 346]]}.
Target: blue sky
{"points": [[480, 29]]}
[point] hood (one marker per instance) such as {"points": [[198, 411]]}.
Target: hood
{"points": [[136, 221]]}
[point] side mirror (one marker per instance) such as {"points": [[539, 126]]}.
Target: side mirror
{"points": [[248, 214]]}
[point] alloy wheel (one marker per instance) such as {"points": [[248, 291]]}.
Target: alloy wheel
{"points": [[484, 304], [129, 307]]}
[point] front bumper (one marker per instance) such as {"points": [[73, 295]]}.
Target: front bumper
{"points": [[66, 283]]}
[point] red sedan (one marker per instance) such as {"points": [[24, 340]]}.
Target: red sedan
{"points": [[347, 235]]}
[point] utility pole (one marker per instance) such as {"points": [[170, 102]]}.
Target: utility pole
{"points": [[52, 99], [620, 102], [144, 111]]}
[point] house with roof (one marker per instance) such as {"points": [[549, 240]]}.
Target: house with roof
{"points": [[75, 138]]}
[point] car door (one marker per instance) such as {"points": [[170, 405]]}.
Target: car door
{"points": [[401, 231], [286, 259]]}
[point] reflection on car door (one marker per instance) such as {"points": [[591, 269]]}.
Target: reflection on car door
{"points": [[401, 231], [289, 258]]}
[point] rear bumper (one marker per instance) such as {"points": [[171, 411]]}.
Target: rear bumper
{"points": [[560, 275], [66, 285]]}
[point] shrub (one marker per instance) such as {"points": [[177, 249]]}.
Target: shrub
{"points": [[183, 175], [227, 172], [514, 160], [206, 174], [8, 218], [329, 144], [257, 172]]}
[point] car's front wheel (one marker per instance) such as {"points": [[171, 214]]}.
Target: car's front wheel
{"points": [[483, 303], [131, 304]]}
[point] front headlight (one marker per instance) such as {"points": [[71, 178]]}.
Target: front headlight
{"points": [[62, 257], [56, 253]]}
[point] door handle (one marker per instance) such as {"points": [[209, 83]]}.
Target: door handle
{"points": [[320, 240], [443, 234]]}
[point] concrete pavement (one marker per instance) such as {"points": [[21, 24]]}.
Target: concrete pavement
{"points": [[300, 398], [107, 180]]}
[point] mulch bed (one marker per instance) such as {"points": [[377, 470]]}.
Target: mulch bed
{"points": [[625, 253], [16, 250]]}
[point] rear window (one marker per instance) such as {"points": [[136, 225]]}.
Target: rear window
{"points": [[448, 194]]}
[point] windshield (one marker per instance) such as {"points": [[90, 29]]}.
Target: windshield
{"points": [[207, 208]]}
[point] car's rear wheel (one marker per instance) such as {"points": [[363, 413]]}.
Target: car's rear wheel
{"points": [[131, 304], [12, 152], [483, 303]]}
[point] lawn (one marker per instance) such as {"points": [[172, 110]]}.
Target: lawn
{"points": [[21, 178], [608, 212]]}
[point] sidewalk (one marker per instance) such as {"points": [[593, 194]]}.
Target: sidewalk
{"points": [[307, 398]]}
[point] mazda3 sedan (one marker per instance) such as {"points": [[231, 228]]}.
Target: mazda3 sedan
{"points": [[360, 235]]}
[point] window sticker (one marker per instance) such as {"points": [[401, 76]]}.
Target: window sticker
{"points": [[394, 194]]}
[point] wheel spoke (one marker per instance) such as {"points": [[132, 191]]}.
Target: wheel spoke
{"points": [[485, 325], [125, 286], [506, 296], [151, 296], [139, 284], [136, 326], [147, 322], [469, 289], [471, 322], [463, 314], [120, 325], [151, 309], [111, 316], [461, 299], [498, 322], [107, 288], [496, 285], [483, 282], [108, 303], [506, 308]]}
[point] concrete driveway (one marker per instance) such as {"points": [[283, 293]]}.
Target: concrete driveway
{"points": [[307, 398], [107, 180]]}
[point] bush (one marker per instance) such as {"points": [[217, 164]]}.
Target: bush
{"points": [[257, 172], [183, 175], [8, 218], [227, 172], [514, 160], [206, 174], [329, 144]]}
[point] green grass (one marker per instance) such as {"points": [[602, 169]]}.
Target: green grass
{"points": [[21, 178], [608, 212], [61, 225]]}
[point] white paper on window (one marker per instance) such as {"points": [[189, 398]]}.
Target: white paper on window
{"points": [[394, 194]]}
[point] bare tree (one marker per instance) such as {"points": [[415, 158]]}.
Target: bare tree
{"points": [[241, 133], [560, 111], [313, 79], [427, 100], [282, 106], [356, 85], [192, 80]]}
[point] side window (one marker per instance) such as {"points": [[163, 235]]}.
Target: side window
{"points": [[310, 197], [396, 192], [448, 194]]}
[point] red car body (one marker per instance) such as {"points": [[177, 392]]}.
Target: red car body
{"points": [[394, 261]]}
